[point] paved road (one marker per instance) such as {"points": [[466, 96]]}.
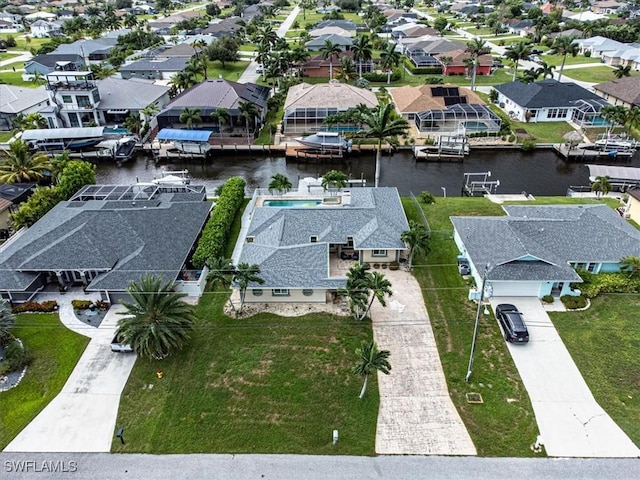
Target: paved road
{"points": [[416, 415], [571, 422], [82, 417], [299, 467]]}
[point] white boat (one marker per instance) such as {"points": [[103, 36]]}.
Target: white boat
{"points": [[326, 141], [619, 145], [193, 147], [173, 177]]}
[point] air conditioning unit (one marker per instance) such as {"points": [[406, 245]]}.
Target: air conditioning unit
{"points": [[626, 215]]}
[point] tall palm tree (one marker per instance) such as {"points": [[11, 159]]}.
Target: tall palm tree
{"points": [[7, 319], [418, 238], [334, 179], [601, 185], [190, 117], [330, 51], [630, 264], [564, 46], [157, 320], [362, 51], [33, 121], [19, 165], [378, 287], [222, 117], [545, 70], [221, 271], [614, 115], [133, 123], [248, 111], [280, 183], [383, 126], [371, 360], [476, 48], [389, 58], [347, 70], [632, 118], [516, 52], [622, 71], [356, 290], [243, 276], [149, 111]]}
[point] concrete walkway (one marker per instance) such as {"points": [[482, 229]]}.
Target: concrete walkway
{"points": [[82, 417], [416, 415], [571, 422], [21, 56]]}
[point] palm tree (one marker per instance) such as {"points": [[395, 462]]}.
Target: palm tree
{"points": [[133, 123], [390, 58], [564, 46], [157, 321], [546, 70], [379, 287], [347, 70], [7, 319], [601, 185], [335, 179], [614, 115], [632, 118], [356, 290], [516, 52], [622, 71], [149, 111], [248, 111], [383, 127], [280, 183], [221, 271], [476, 48], [418, 238], [221, 116], [191, 117], [630, 264], [362, 51], [330, 50], [243, 276], [33, 120], [371, 360], [19, 165]]}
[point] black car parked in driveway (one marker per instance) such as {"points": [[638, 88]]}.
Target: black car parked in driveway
{"points": [[512, 323]]}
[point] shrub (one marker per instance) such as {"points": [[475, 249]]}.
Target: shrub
{"points": [[426, 197], [593, 284], [512, 138], [547, 299], [44, 307], [528, 145], [394, 266], [81, 304], [215, 233], [102, 305], [587, 53], [16, 357], [381, 77], [434, 81], [574, 302], [435, 70]]}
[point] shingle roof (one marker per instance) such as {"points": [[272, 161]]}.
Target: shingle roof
{"points": [[333, 38], [554, 235], [172, 64], [50, 59], [18, 99], [626, 89], [546, 93], [220, 93], [119, 94], [281, 236], [123, 239], [331, 94]]}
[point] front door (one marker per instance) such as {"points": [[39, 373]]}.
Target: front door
{"points": [[556, 289]]}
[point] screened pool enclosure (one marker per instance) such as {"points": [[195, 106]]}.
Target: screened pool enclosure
{"points": [[471, 118], [586, 113]]}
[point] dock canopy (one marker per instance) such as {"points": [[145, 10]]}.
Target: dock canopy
{"points": [[181, 135], [62, 133]]}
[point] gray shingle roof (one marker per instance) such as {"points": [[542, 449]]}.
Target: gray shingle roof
{"points": [[119, 94], [220, 93], [172, 64], [282, 248], [554, 235], [122, 239], [546, 93]]}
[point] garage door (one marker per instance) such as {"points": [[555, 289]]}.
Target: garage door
{"points": [[515, 289]]}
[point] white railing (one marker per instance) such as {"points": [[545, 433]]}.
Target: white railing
{"points": [[194, 288]]}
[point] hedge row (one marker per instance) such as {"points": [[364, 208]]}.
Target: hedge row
{"points": [[215, 233], [435, 70], [382, 77], [607, 283], [44, 307]]}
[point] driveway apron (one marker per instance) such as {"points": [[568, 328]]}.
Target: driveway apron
{"points": [[416, 415], [82, 417], [571, 422]]}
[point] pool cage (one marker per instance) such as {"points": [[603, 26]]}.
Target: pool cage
{"points": [[586, 113], [309, 120], [473, 118]]}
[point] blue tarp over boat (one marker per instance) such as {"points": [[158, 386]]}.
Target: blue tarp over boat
{"points": [[180, 135]]}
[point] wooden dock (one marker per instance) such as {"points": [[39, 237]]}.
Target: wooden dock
{"points": [[583, 154], [434, 154]]}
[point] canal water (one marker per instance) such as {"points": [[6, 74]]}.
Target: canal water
{"points": [[539, 173]]}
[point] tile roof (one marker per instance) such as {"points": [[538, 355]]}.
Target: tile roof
{"points": [[459, 56], [626, 89], [333, 94], [410, 99], [281, 236], [546, 93], [554, 235]]}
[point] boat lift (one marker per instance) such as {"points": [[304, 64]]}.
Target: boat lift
{"points": [[478, 183]]}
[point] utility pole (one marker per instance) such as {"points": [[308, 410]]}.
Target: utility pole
{"points": [[475, 328]]}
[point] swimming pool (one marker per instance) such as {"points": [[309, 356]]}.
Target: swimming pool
{"points": [[292, 203], [478, 126]]}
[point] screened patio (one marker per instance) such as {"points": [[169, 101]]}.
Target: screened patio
{"points": [[302, 120], [586, 113], [473, 118]]}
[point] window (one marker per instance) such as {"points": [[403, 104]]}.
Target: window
{"points": [[379, 253], [307, 292], [67, 99], [96, 96], [350, 242], [83, 101], [280, 292], [557, 113], [591, 267], [257, 292], [313, 239], [250, 239]]}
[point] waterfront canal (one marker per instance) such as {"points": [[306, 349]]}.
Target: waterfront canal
{"points": [[540, 173]]}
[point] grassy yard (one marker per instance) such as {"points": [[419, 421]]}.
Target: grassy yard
{"points": [[545, 132], [5, 136], [232, 71], [599, 74], [55, 351], [21, 42], [556, 60], [15, 78], [604, 341], [7, 56], [504, 425]]}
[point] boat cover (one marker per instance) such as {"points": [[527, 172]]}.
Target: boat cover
{"points": [[184, 135]]}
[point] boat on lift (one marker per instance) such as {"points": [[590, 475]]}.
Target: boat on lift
{"points": [[173, 177], [326, 141]]}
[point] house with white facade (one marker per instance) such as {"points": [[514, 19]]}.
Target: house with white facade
{"points": [[535, 251], [46, 29]]}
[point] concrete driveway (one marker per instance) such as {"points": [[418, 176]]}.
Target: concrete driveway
{"points": [[416, 415], [82, 417], [571, 422]]}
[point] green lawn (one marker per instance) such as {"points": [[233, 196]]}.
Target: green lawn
{"points": [[5, 136], [504, 425], [21, 42], [55, 351], [232, 71], [16, 65], [604, 342], [7, 56], [545, 132], [556, 60], [598, 74], [15, 78]]}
